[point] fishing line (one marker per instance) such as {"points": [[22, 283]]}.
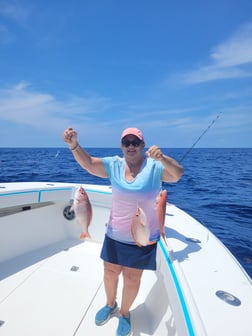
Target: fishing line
{"points": [[204, 132]]}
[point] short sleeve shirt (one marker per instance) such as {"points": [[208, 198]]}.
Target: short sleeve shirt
{"points": [[127, 196]]}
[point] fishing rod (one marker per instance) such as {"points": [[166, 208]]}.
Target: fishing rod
{"points": [[204, 132]]}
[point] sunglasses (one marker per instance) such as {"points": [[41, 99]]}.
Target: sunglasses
{"points": [[135, 143]]}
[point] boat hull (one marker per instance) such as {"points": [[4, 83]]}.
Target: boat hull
{"points": [[51, 282]]}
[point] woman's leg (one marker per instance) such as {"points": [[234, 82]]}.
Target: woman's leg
{"points": [[131, 284], [111, 275]]}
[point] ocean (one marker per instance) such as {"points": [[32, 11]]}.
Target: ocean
{"points": [[216, 187]]}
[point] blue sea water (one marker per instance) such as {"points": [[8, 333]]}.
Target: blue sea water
{"points": [[216, 187]]}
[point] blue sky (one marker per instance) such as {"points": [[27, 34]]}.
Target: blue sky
{"points": [[167, 67]]}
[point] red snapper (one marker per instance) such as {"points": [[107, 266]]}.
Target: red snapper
{"points": [[140, 228], [83, 211], [161, 210]]}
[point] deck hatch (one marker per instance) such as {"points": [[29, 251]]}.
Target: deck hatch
{"points": [[228, 298], [74, 268]]}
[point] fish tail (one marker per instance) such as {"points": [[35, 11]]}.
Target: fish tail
{"points": [[85, 235], [164, 238]]}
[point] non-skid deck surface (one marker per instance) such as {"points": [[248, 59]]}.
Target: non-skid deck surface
{"points": [[51, 297], [60, 296]]}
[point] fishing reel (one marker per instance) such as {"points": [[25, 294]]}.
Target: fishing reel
{"points": [[68, 213]]}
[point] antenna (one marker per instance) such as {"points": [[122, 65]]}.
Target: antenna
{"points": [[204, 132]]}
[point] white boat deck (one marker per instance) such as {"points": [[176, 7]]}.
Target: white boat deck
{"points": [[51, 283], [51, 297]]}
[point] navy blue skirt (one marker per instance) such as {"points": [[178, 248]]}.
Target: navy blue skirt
{"points": [[128, 255]]}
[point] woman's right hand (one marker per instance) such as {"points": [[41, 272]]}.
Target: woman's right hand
{"points": [[70, 137]]}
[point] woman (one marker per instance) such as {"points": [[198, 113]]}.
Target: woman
{"points": [[136, 181]]}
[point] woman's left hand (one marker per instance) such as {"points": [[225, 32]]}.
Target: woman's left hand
{"points": [[155, 153]]}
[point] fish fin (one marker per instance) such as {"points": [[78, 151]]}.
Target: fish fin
{"points": [[84, 235], [142, 223], [133, 236]]}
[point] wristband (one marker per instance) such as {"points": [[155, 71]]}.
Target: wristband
{"points": [[73, 149]]}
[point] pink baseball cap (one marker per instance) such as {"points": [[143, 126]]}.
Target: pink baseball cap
{"points": [[133, 131]]}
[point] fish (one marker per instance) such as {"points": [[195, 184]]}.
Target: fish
{"points": [[83, 211], [161, 210], [140, 229]]}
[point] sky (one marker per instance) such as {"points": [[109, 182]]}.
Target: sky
{"points": [[170, 68]]}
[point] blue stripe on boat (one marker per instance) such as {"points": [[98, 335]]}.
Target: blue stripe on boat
{"points": [[39, 192], [178, 288]]}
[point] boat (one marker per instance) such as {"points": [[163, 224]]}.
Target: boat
{"points": [[51, 282]]}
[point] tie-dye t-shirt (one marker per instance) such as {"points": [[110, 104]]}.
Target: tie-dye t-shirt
{"points": [[127, 196]]}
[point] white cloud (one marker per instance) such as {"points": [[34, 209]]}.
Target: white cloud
{"points": [[20, 104], [42, 117], [13, 10], [21, 85], [236, 50], [227, 60], [214, 72], [5, 35]]}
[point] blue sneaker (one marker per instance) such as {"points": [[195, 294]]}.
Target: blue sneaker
{"points": [[124, 327], [104, 314]]}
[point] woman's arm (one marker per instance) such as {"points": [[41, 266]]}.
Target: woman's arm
{"points": [[92, 164], [172, 169]]}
